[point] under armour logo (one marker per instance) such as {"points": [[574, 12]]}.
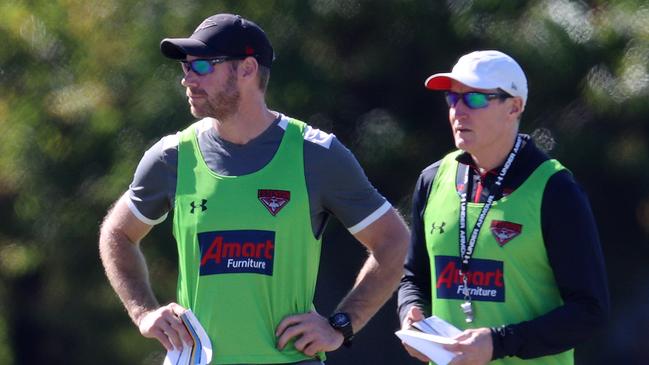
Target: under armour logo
{"points": [[440, 227], [202, 205]]}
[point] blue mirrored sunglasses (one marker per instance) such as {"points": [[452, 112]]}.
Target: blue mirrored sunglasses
{"points": [[473, 99], [205, 66]]}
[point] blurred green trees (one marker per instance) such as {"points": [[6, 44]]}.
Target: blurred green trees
{"points": [[84, 92]]}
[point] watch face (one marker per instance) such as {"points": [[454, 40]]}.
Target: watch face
{"points": [[340, 319]]}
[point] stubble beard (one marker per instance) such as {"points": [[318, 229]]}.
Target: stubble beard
{"points": [[222, 105]]}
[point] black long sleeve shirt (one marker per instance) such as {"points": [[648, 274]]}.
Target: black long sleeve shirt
{"points": [[572, 244]]}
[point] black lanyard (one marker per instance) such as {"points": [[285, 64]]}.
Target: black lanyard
{"points": [[466, 251]]}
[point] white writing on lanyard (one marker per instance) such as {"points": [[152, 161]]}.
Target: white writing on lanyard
{"points": [[466, 251]]}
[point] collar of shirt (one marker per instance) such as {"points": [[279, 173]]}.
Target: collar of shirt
{"points": [[479, 183]]}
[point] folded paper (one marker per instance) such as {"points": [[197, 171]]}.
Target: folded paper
{"points": [[428, 337], [199, 352]]}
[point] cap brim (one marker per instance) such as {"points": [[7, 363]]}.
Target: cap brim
{"points": [[443, 81], [179, 48], [439, 82]]}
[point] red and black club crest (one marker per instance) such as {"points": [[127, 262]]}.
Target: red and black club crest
{"points": [[505, 231], [274, 200]]}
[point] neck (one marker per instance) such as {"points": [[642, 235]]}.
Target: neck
{"points": [[247, 123], [495, 156]]}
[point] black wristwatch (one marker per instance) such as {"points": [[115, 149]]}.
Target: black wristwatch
{"points": [[342, 323]]}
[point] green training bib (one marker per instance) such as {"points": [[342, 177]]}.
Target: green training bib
{"points": [[246, 250], [509, 277]]}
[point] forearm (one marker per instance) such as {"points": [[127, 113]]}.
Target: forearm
{"points": [[411, 294], [585, 311], [374, 285], [126, 270], [554, 332], [414, 289], [574, 252]]}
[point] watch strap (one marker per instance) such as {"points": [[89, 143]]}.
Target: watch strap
{"points": [[342, 323]]}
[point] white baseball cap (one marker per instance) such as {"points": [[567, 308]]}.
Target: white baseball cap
{"points": [[484, 70]]}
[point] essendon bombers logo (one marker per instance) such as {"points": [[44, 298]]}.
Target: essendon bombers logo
{"points": [[485, 279], [505, 231], [274, 200], [242, 251]]}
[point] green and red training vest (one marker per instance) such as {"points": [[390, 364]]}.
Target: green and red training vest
{"points": [[246, 250], [510, 278]]}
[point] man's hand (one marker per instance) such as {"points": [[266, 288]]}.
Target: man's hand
{"points": [[311, 331], [165, 325], [474, 346], [414, 314]]}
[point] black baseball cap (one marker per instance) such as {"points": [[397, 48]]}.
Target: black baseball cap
{"points": [[222, 35]]}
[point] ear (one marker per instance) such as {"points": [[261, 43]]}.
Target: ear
{"points": [[516, 107], [248, 67]]}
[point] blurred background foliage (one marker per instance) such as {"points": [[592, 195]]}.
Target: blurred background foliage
{"points": [[84, 92]]}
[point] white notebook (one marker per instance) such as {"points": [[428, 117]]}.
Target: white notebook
{"points": [[428, 336], [199, 352]]}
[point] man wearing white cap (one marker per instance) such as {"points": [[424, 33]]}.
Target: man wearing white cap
{"points": [[504, 244]]}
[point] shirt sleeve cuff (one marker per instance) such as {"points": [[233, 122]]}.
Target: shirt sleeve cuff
{"points": [[370, 218], [141, 217], [504, 341]]}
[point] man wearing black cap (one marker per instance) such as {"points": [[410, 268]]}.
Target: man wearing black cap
{"points": [[504, 245], [251, 191]]}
